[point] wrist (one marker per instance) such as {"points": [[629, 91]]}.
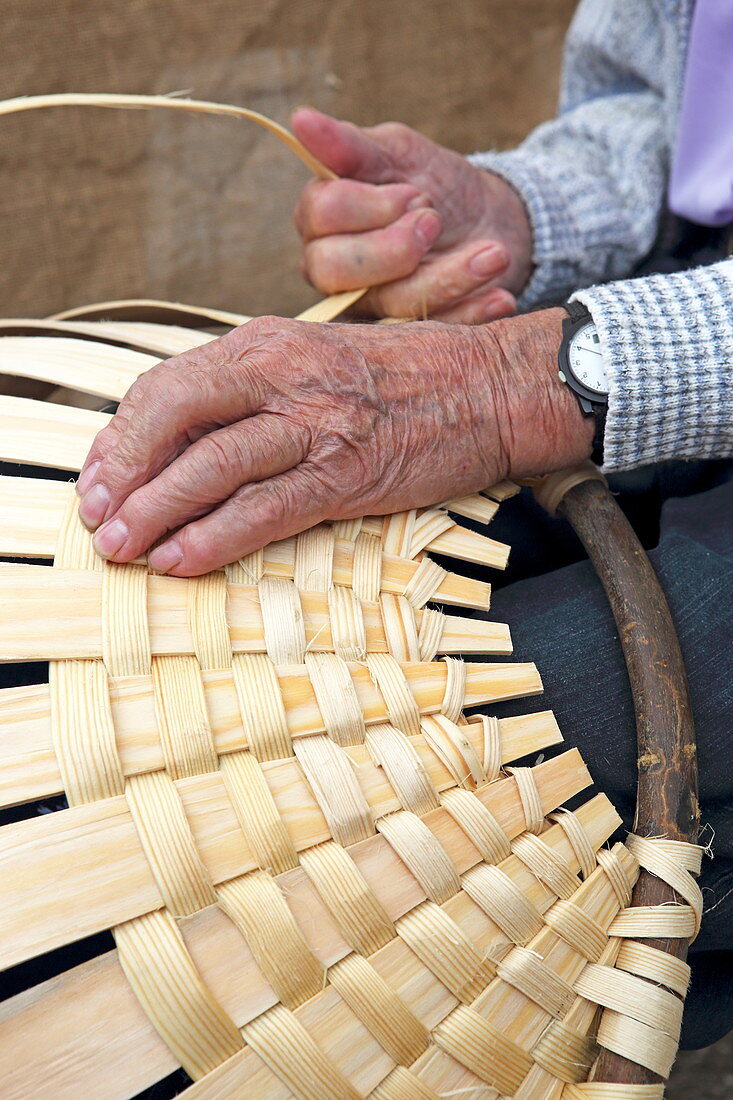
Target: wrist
{"points": [[510, 223], [541, 424]]}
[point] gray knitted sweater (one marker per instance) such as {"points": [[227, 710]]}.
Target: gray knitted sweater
{"points": [[594, 181]]}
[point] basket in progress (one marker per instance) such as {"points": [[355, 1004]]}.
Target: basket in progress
{"points": [[323, 876]]}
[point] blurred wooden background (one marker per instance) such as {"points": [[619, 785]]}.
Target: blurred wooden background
{"points": [[100, 204]]}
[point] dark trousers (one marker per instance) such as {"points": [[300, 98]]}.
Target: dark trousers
{"points": [[560, 619]]}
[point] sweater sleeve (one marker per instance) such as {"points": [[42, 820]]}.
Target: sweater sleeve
{"points": [[593, 180], [667, 342]]}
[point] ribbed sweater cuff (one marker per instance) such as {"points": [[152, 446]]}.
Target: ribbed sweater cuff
{"points": [[667, 342]]}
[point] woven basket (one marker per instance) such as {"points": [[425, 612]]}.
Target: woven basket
{"points": [[323, 878]]}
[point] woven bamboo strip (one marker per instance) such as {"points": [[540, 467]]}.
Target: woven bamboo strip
{"points": [[122, 1054], [101, 369], [29, 770], [153, 339], [40, 602], [502, 491], [475, 506], [431, 1010], [45, 434], [105, 879], [456, 542], [32, 512]]}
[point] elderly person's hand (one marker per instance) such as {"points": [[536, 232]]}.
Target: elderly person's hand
{"points": [[281, 424], [425, 229]]}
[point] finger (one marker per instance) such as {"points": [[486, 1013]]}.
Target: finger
{"points": [[441, 280], [206, 474], [346, 149], [351, 260], [489, 305], [166, 410], [252, 517], [347, 206]]}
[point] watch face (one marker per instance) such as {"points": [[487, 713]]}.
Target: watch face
{"points": [[586, 360]]}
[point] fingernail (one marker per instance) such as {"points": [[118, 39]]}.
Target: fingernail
{"points": [[489, 261], [165, 557], [419, 202], [427, 228], [86, 477], [111, 537], [94, 505]]}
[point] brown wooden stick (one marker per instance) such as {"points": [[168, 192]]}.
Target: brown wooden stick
{"points": [[667, 786]]}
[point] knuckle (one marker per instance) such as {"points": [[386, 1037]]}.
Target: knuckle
{"points": [[217, 455]]}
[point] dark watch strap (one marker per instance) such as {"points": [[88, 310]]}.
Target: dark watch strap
{"points": [[580, 313], [599, 412], [577, 311]]}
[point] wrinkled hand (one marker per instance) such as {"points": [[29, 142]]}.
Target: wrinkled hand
{"points": [[281, 424], [426, 230]]}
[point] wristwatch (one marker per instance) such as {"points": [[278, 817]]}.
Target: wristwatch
{"points": [[581, 367]]}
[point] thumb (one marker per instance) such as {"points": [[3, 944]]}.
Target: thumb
{"points": [[343, 147]]}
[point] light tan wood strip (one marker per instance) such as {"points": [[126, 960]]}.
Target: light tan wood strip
{"points": [[39, 603], [97, 368], [43, 434]]}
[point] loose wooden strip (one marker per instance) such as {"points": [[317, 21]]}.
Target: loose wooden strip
{"points": [[32, 511], [390, 749], [150, 310], [330, 308], [122, 1055], [102, 846], [39, 602], [333, 781], [29, 769], [101, 369], [147, 102], [152, 338], [42, 434]]}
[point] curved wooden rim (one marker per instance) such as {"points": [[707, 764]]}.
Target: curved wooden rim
{"points": [[667, 788]]}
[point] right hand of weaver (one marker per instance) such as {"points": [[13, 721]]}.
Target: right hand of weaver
{"points": [[428, 232]]}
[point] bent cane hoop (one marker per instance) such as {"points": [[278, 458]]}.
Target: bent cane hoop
{"points": [[667, 805]]}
